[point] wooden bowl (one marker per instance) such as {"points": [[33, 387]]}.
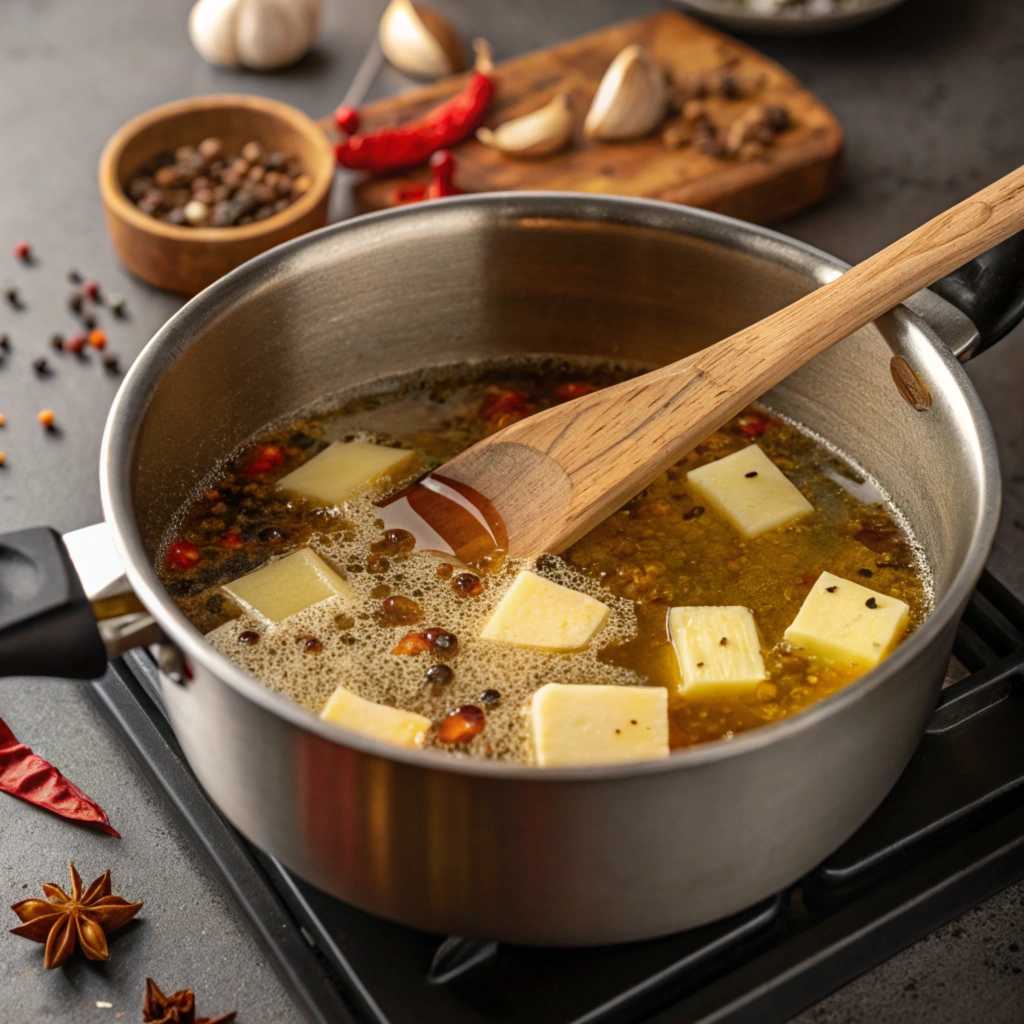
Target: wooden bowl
{"points": [[186, 259]]}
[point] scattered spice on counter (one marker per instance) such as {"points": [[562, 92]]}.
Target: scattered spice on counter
{"points": [[201, 186], [118, 306], [409, 145], [62, 921], [97, 338], [23, 252], [91, 290], [3, 420], [74, 277], [3, 458], [5, 343], [179, 1008], [13, 297], [57, 342], [75, 343], [46, 418], [111, 363], [27, 776], [41, 366]]}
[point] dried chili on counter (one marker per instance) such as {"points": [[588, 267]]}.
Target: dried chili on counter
{"points": [[442, 173], [27, 776], [412, 144]]}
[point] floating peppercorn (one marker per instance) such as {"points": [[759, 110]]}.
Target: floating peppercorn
{"points": [[467, 584], [183, 555], [462, 725], [98, 339], [23, 252], [433, 638], [272, 535], [41, 366], [46, 418], [440, 675], [490, 698], [441, 639], [310, 645], [399, 610], [249, 636], [865, 572], [57, 341]]}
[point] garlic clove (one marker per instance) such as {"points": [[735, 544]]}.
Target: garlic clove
{"points": [[419, 42], [272, 34], [211, 27], [538, 133], [631, 99]]}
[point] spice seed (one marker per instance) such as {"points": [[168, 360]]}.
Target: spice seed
{"points": [[5, 343], [724, 641], [831, 590], [871, 603], [440, 675], [753, 472], [249, 636], [57, 341], [23, 252], [111, 364], [74, 277], [13, 297], [865, 572], [490, 698], [41, 367]]}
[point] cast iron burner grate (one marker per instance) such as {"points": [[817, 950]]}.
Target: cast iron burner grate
{"points": [[949, 835]]}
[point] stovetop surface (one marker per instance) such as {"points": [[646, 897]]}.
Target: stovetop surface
{"points": [[950, 834]]}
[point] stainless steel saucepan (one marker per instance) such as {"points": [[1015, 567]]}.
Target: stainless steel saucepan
{"points": [[565, 856]]}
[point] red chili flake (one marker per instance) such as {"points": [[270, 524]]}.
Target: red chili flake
{"points": [[91, 288], [412, 144], [462, 724], [567, 392], [231, 540], [752, 424], [267, 458], [23, 251], [27, 776], [182, 555], [504, 407]]}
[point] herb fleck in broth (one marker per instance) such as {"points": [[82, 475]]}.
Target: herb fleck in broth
{"points": [[662, 549]]}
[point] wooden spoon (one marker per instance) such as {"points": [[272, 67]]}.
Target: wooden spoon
{"points": [[554, 476]]}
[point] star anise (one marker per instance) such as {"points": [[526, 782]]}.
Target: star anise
{"points": [[62, 920], [177, 1009]]}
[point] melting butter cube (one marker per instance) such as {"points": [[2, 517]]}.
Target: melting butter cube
{"points": [[535, 612], [718, 650], [749, 490], [288, 586], [847, 625], [343, 468], [586, 724], [378, 721]]}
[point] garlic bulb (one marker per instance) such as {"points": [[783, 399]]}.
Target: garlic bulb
{"points": [[260, 34], [418, 41], [538, 133], [631, 99]]}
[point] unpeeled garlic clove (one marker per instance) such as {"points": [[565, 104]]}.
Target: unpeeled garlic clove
{"points": [[538, 133], [631, 99], [418, 41]]}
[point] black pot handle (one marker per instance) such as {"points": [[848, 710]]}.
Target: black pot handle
{"points": [[47, 625], [989, 290]]}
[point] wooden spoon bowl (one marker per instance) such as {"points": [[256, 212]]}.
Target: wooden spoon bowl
{"points": [[187, 259]]}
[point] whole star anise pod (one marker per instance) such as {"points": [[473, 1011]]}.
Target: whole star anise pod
{"points": [[177, 1009], [61, 920]]}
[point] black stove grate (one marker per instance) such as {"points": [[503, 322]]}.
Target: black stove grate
{"points": [[950, 834]]}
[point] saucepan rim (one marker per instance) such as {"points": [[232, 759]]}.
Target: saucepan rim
{"points": [[145, 375]]}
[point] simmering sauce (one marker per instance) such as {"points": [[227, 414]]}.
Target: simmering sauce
{"points": [[663, 549]]}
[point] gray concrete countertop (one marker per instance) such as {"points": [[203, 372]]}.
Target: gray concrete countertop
{"points": [[931, 97]]}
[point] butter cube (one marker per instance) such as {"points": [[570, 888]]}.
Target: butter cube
{"points": [[535, 612], [378, 721], [847, 625], [749, 490], [585, 724], [718, 650], [344, 468], [288, 586]]}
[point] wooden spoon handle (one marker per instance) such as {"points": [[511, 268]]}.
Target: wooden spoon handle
{"points": [[591, 456]]}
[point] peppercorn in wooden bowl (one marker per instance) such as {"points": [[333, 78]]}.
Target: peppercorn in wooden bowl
{"points": [[184, 258]]}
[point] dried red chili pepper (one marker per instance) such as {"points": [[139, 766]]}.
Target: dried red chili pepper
{"points": [[567, 392], [504, 407], [267, 458], [752, 424], [182, 555], [412, 144], [27, 776], [230, 540], [442, 174]]}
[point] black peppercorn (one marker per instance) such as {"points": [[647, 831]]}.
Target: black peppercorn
{"points": [[490, 698], [41, 366], [871, 603], [249, 636], [753, 472], [57, 341], [272, 533], [439, 675], [74, 277]]}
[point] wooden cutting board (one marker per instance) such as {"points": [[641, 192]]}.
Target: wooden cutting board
{"points": [[800, 168]]}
